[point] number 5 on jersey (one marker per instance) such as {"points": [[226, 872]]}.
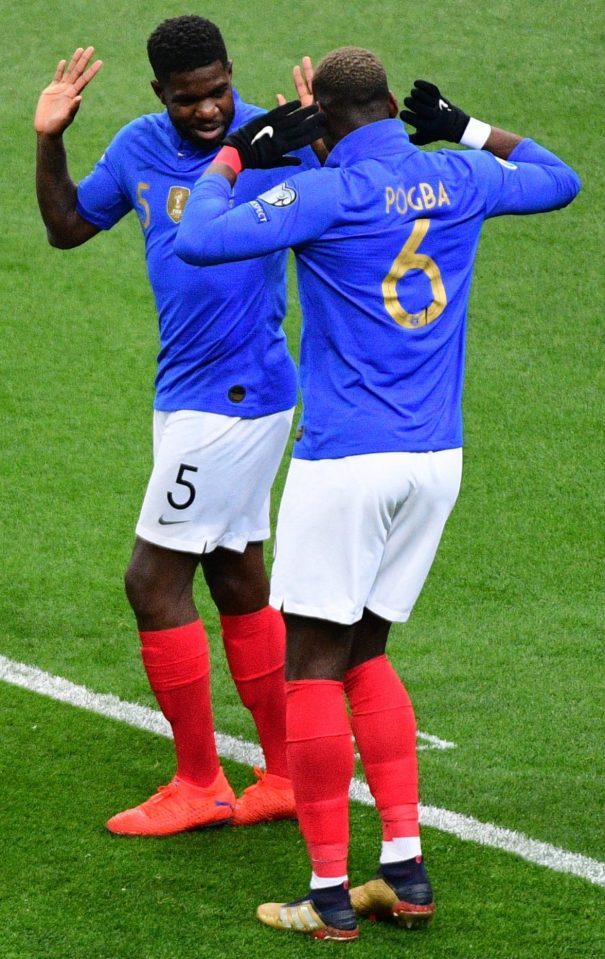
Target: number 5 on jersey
{"points": [[145, 216]]}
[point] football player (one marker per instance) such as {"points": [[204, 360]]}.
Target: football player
{"points": [[224, 399], [385, 237]]}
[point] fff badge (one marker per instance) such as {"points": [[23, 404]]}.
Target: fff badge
{"points": [[175, 204]]}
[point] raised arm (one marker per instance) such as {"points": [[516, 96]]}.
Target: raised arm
{"points": [[437, 118], [536, 181], [56, 110]]}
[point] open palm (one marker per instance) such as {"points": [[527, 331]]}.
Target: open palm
{"points": [[60, 101]]}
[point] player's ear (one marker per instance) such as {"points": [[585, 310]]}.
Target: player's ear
{"points": [[393, 106], [158, 89], [229, 67]]}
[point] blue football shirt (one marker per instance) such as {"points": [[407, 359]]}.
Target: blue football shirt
{"points": [[222, 348], [385, 237]]}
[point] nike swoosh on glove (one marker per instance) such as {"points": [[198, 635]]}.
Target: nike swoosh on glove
{"points": [[434, 116], [263, 142]]}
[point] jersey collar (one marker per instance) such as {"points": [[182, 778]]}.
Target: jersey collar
{"points": [[375, 140]]}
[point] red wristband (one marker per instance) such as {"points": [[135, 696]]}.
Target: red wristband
{"points": [[230, 156]]}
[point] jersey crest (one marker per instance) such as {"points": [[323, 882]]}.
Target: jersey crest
{"points": [[175, 202]]}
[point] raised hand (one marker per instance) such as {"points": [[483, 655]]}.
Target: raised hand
{"points": [[60, 101], [434, 116], [303, 82], [263, 143]]}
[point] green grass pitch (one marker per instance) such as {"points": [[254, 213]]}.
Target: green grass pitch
{"points": [[503, 653]]}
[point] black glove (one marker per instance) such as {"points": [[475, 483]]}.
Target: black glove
{"points": [[434, 117], [262, 142]]}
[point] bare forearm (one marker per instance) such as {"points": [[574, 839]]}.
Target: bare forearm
{"points": [[57, 195], [501, 143]]}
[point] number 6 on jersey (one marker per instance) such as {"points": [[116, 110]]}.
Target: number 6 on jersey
{"points": [[409, 259]]}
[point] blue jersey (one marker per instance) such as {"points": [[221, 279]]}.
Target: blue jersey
{"points": [[385, 237], [222, 349]]}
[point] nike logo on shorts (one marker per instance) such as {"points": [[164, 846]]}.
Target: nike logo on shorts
{"points": [[171, 522]]}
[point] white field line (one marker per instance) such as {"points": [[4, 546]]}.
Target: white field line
{"points": [[230, 747], [433, 742]]}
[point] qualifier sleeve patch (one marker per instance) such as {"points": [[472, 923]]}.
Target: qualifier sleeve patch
{"points": [[282, 195]]}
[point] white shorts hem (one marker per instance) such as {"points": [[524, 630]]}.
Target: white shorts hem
{"points": [[391, 615], [236, 543], [314, 612]]}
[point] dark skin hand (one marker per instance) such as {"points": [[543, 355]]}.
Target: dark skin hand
{"points": [[57, 107]]}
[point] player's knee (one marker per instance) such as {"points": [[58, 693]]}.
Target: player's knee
{"points": [[159, 586], [146, 592], [237, 593], [138, 588]]}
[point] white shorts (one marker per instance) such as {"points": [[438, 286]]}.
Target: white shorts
{"points": [[361, 532], [211, 479]]}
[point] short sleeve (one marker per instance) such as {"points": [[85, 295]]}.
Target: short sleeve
{"points": [[101, 199]]}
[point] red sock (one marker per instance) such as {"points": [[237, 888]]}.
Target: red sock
{"points": [[384, 727], [255, 645], [178, 667], [321, 762]]}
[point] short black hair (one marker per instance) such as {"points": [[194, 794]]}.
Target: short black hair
{"points": [[349, 77], [185, 43]]}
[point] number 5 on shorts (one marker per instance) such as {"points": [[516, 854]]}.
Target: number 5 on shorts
{"points": [[186, 484]]}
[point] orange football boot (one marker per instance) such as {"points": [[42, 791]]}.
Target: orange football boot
{"points": [[177, 807], [270, 798]]}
